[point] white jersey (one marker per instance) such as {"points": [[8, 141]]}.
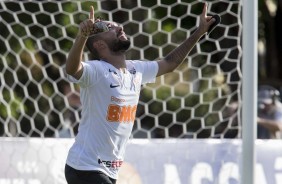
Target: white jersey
{"points": [[109, 99]]}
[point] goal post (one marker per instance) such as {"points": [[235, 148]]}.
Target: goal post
{"points": [[249, 91]]}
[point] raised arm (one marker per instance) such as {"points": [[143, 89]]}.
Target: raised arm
{"points": [[175, 57], [73, 63]]}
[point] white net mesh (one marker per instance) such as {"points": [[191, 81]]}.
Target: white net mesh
{"points": [[198, 100]]}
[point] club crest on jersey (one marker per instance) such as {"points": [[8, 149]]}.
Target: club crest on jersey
{"points": [[132, 71], [130, 81]]}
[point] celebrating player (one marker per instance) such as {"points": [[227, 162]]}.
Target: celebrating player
{"points": [[109, 93]]}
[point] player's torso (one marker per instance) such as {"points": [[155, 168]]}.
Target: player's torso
{"points": [[108, 114], [115, 96]]}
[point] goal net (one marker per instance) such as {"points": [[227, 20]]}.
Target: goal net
{"points": [[200, 99]]}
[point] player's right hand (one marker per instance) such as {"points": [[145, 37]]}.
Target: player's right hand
{"points": [[86, 27]]}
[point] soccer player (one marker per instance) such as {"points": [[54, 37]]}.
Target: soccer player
{"points": [[109, 93]]}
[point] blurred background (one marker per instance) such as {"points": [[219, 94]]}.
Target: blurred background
{"points": [[201, 99]]}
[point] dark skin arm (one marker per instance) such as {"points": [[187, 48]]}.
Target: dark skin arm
{"points": [[176, 57]]}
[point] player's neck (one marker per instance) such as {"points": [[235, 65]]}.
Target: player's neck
{"points": [[118, 61]]}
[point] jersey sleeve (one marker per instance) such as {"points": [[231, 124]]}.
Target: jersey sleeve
{"points": [[149, 70], [89, 75]]}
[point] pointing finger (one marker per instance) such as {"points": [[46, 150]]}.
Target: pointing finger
{"points": [[91, 16], [204, 12]]}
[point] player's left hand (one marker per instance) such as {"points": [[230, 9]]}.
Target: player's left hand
{"points": [[205, 21]]}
